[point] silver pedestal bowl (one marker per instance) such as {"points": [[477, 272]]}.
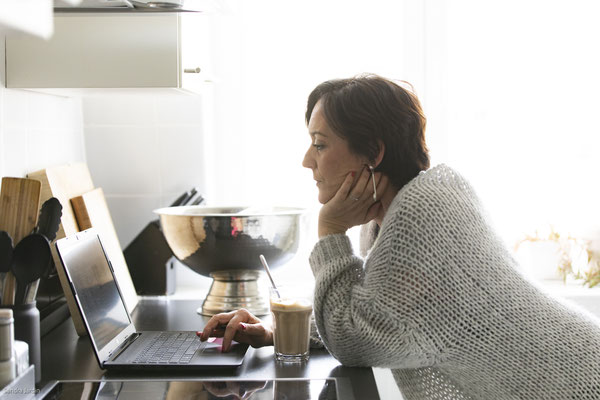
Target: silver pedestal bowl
{"points": [[224, 243]]}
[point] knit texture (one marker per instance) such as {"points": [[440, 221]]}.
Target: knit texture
{"points": [[438, 299]]}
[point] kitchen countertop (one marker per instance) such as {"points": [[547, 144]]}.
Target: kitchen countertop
{"points": [[65, 356]]}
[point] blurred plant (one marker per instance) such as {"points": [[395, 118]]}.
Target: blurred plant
{"points": [[576, 257]]}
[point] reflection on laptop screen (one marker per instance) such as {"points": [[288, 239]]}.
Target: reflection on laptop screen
{"points": [[98, 294]]}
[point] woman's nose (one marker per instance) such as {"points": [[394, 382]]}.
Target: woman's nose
{"points": [[308, 161]]}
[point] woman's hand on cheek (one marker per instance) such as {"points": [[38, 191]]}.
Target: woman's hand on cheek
{"points": [[352, 205]]}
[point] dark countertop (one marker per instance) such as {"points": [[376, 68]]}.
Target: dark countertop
{"points": [[65, 356]]}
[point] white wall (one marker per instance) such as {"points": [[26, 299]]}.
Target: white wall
{"points": [[37, 130]]}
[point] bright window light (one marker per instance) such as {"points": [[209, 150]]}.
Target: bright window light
{"points": [[510, 89]]}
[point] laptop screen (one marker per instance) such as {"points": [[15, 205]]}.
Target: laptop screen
{"points": [[98, 294]]}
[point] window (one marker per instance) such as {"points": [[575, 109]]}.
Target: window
{"points": [[510, 90]]}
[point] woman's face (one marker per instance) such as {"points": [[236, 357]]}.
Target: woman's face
{"points": [[329, 156]]}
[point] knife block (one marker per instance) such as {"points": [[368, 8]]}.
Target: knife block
{"points": [[150, 262]]}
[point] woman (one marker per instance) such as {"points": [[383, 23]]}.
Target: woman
{"points": [[437, 297]]}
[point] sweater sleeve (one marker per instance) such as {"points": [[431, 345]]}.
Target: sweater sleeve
{"points": [[355, 322], [315, 340]]}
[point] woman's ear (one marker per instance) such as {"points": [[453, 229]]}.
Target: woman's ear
{"points": [[380, 154]]}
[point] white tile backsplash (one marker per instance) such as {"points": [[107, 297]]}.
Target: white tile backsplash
{"points": [[180, 158], [144, 149], [15, 108], [30, 147], [123, 160], [131, 214], [120, 108], [14, 151], [51, 111], [179, 109], [53, 146], [38, 144]]}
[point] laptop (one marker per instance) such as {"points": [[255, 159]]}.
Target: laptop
{"points": [[116, 342]]}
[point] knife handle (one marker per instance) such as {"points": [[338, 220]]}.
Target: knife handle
{"points": [[179, 200]]}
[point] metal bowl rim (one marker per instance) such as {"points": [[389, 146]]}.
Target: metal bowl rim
{"points": [[188, 211]]}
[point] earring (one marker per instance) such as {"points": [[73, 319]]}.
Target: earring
{"points": [[373, 179]]}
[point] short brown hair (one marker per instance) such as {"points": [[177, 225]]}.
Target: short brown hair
{"points": [[367, 110]]}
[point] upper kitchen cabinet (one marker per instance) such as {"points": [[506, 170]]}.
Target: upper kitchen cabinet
{"points": [[31, 17], [99, 50]]}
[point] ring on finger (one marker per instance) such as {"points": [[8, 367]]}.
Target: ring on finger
{"points": [[355, 198]]}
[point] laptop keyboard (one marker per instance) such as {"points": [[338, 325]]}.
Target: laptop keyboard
{"points": [[170, 348]]}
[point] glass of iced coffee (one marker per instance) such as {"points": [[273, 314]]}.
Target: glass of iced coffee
{"points": [[291, 308]]}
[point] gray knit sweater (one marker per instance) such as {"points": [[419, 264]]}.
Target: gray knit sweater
{"points": [[438, 300]]}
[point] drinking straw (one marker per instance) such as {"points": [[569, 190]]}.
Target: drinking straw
{"points": [[264, 263]]}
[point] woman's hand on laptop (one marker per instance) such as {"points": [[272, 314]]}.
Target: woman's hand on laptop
{"points": [[239, 325]]}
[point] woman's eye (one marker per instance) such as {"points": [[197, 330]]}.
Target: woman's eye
{"points": [[318, 146]]}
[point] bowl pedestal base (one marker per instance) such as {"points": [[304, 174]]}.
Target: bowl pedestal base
{"points": [[234, 289]]}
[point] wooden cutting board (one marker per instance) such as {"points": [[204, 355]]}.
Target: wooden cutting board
{"points": [[19, 210], [91, 210], [64, 182]]}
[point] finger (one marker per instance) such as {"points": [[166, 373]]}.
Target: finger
{"points": [[256, 335], [218, 332], [249, 317], [251, 329], [362, 184], [214, 322], [234, 325], [232, 329], [345, 187], [222, 321], [209, 328]]}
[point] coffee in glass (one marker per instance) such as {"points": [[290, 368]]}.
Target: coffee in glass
{"points": [[291, 309]]}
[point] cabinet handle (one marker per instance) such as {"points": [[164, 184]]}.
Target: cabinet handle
{"points": [[192, 70]]}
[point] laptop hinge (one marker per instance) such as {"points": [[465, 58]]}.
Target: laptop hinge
{"points": [[130, 339]]}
